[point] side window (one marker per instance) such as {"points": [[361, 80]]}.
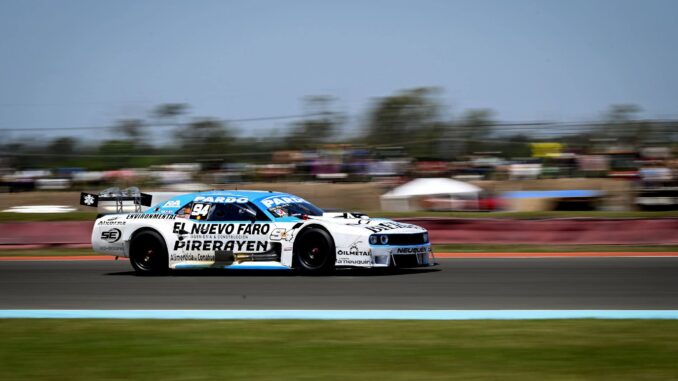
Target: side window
{"points": [[236, 212], [195, 211], [185, 211]]}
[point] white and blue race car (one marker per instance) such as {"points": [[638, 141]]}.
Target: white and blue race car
{"points": [[255, 229]]}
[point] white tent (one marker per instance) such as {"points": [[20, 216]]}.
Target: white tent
{"points": [[405, 197]]}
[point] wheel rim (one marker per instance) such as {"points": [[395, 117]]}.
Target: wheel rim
{"points": [[147, 257], [314, 252]]}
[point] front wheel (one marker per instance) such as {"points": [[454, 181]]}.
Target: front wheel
{"points": [[314, 252], [148, 253]]}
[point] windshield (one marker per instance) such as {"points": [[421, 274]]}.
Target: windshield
{"points": [[295, 210]]}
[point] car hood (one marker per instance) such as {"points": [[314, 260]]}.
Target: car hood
{"points": [[369, 225]]}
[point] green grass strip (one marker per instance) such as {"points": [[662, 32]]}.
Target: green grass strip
{"points": [[338, 350]]}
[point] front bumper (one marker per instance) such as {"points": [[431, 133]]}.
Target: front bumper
{"points": [[402, 256]]}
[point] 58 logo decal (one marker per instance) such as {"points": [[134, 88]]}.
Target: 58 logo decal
{"points": [[111, 236]]}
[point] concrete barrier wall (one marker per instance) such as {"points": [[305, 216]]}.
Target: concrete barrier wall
{"points": [[442, 230], [46, 233], [551, 231]]}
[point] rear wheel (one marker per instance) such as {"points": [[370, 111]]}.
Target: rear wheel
{"points": [[148, 253], [314, 252]]}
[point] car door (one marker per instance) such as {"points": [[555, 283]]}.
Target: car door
{"points": [[220, 233]]}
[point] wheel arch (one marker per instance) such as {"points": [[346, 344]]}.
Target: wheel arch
{"points": [[144, 229], [319, 226], [128, 242], [151, 264], [306, 228]]}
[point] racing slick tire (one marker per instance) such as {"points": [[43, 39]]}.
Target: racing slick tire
{"points": [[148, 253], [315, 252]]}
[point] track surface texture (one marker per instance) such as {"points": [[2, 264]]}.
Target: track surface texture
{"points": [[572, 283]]}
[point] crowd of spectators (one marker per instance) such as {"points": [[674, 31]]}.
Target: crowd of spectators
{"points": [[647, 166]]}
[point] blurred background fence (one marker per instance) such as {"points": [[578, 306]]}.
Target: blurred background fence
{"points": [[620, 162]]}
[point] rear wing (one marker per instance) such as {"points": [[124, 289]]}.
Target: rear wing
{"points": [[119, 198]]}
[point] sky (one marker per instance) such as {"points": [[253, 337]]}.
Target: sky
{"points": [[81, 63]]}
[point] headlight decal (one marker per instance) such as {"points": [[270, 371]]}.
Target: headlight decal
{"points": [[406, 239]]}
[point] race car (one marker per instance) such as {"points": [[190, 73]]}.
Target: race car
{"points": [[253, 229]]}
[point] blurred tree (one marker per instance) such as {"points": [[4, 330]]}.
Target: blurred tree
{"points": [[475, 126], [60, 151], [321, 126], [166, 115], [206, 137], [169, 110], [623, 125], [623, 113], [131, 128], [62, 146], [115, 154], [399, 118], [515, 146], [431, 142]]}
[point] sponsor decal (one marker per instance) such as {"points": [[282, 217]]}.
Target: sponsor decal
{"points": [[280, 234], [279, 212], [200, 210], [111, 236], [216, 245], [278, 200], [354, 251], [220, 199], [89, 199], [350, 261], [111, 222], [181, 257], [149, 216], [172, 204], [111, 248], [222, 229], [391, 225], [412, 250]]}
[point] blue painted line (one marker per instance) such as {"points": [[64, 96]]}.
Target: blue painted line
{"points": [[553, 194], [397, 246], [243, 267], [342, 314], [240, 267]]}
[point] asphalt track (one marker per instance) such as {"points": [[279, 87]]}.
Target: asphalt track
{"points": [[523, 283]]}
